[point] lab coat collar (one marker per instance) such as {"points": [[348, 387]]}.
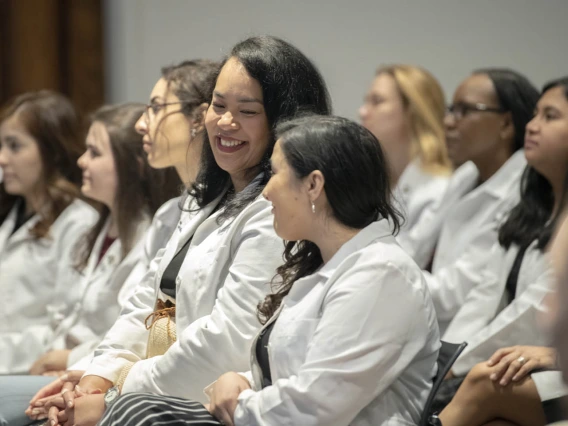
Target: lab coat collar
{"points": [[499, 184], [372, 232], [22, 233]]}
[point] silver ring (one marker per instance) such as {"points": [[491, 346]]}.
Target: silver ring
{"points": [[521, 360]]}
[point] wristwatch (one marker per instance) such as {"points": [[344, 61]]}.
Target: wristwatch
{"points": [[111, 396]]}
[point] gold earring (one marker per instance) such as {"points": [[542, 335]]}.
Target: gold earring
{"points": [[313, 207]]}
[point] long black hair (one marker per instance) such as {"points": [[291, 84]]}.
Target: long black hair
{"points": [[290, 84], [531, 219], [357, 187], [517, 95]]}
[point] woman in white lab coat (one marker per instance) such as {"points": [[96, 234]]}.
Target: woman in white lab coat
{"points": [[499, 312], [171, 129], [404, 109], [115, 174], [41, 220], [350, 335], [207, 282], [485, 129]]}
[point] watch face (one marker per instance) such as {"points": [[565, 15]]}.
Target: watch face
{"points": [[111, 395]]}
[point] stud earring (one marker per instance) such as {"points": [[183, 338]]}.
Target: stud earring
{"points": [[193, 133], [313, 207]]}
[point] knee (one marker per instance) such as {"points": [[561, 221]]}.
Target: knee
{"points": [[478, 375]]}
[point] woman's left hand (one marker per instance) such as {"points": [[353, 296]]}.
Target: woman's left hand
{"points": [[224, 396], [516, 362], [51, 361]]}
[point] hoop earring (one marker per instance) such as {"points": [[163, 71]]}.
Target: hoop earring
{"points": [[313, 208]]}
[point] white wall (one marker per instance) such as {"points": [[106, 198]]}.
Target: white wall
{"points": [[347, 39]]}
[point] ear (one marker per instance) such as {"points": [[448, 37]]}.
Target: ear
{"points": [[507, 131], [199, 117], [315, 183]]}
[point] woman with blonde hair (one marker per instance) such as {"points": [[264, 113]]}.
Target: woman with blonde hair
{"points": [[404, 109]]}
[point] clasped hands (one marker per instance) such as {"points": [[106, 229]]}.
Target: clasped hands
{"points": [[72, 401]]}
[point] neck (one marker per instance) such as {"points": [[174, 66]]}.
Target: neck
{"points": [[34, 202], [330, 239], [557, 183], [113, 227], [242, 179], [491, 165], [398, 161], [188, 170]]}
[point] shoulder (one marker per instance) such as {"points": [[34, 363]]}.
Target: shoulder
{"points": [[77, 212]]}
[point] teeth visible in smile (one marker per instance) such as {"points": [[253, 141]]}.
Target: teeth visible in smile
{"points": [[227, 143]]}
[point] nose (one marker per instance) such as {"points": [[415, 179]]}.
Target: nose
{"points": [[532, 126], [3, 159], [141, 125], [81, 161], [227, 122], [363, 112], [265, 194], [449, 120]]}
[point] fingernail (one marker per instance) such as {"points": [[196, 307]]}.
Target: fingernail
{"points": [[515, 379], [64, 377], [502, 382], [490, 363], [493, 376], [70, 403], [53, 423], [36, 411], [38, 404]]}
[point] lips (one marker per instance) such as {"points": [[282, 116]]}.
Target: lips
{"points": [[530, 143], [228, 144]]}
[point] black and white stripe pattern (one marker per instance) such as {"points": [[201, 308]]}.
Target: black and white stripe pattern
{"points": [[142, 409]]}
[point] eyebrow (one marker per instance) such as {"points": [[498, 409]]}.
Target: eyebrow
{"points": [[239, 100], [155, 99]]}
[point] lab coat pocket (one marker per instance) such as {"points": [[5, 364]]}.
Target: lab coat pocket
{"points": [[289, 344]]}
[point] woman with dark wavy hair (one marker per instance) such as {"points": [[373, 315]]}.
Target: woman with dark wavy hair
{"points": [[502, 311], [350, 334], [201, 293], [42, 219]]}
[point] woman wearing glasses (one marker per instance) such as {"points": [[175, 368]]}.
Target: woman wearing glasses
{"points": [[485, 129], [503, 310], [193, 316], [404, 109]]}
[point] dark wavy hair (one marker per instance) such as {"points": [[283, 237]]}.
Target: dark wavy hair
{"points": [[52, 121], [290, 84], [517, 95], [531, 219], [357, 187], [141, 190]]}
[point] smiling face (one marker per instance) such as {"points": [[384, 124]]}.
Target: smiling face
{"points": [[20, 159], [165, 128], [236, 123], [546, 139], [97, 163]]}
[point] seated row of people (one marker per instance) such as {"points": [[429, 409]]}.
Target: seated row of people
{"points": [[346, 331]]}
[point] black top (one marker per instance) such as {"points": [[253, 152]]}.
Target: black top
{"points": [[21, 217], [168, 282], [513, 278], [262, 354]]}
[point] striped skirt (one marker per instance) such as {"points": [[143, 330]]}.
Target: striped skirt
{"points": [[141, 409]]}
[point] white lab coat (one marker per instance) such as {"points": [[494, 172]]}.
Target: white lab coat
{"points": [[226, 273], [156, 237], [487, 323], [38, 283], [102, 290], [416, 192], [355, 343], [470, 229]]}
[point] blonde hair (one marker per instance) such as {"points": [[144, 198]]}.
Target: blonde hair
{"points": [[424, 99]]}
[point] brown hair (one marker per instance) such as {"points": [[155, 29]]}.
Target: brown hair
{"points": [[424, 98], [141, 190], [52, 121]]}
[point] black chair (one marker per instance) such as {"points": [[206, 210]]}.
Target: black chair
{"points": [[448, 354]]}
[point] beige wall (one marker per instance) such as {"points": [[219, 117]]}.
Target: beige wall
{"points": [[347, 39]]}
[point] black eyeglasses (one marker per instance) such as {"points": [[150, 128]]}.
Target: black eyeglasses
{"points": [[156, 107], [460, 110]]}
